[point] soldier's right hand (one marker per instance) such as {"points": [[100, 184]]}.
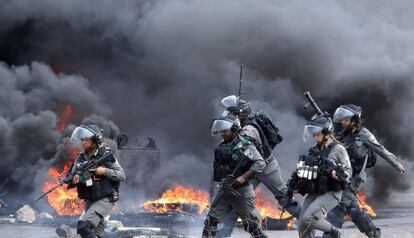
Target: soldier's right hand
{"points": [[75, 179], [400, 168]]}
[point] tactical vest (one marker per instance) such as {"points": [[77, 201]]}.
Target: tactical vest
{"points": [[357, 150], [311, 174], [226, 159], [101, 185]]}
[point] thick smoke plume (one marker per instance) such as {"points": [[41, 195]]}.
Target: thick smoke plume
{"points": [[33, 101], [163, 66]]}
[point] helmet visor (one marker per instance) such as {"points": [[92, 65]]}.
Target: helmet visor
{"points": [[310, 130], [230, 102], [342, 113], [220, 126], [80, 133], [226, 113]]}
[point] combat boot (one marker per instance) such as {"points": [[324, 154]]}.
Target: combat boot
{"points": [[374, 234], [258, 233], [336, 232]]}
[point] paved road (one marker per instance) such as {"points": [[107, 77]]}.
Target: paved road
{"points": [[396, 221]]}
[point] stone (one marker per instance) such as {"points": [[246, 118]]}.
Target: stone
{"points": [[44, 216], [64, 231], [112, 224], [26, 214]]}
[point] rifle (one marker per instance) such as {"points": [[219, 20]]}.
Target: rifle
{"points": [[291, 185], [240, 93], [340, 172], [315, 106], [229, 181], [81, 169]]}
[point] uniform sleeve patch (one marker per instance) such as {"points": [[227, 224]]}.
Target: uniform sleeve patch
{"points": [[248, 153]]}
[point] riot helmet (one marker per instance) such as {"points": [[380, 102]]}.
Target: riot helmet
{"points": [[223, 124], [318, 123], [236, 105], [347, 111], [92, 132]]}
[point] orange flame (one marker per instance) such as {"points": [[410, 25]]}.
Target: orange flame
{"points": [[173, 198], [267, 206], [65, 202], [362, 197], [65, 115], [362, 204]]}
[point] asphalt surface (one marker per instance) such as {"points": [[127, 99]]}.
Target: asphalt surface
{"points": [[395, 221]]}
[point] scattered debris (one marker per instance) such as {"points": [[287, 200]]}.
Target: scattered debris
{"points": [[64, 231], [26, 214], [129, 232], [278, 224], [150, 219], [7, 220], [111, 225], [44, 216]]}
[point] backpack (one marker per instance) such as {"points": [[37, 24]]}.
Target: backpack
{"points": [[269, 132]]}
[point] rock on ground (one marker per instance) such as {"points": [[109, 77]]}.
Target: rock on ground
{"points": [[64, 231], [26, 214]]}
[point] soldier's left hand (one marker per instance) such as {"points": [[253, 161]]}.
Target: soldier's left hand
{"points": [[334, 175], [98, 171], [240, 180], [401, 168]]}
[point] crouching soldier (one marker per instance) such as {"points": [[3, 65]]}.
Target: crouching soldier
{"points": [[321, 176], [99, 186]]}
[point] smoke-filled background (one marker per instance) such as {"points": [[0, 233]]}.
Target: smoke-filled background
{"points": [[160, 69]]}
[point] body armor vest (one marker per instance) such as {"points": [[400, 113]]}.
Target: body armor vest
{"points": [[226, 159], [101, 186], [312, 177], [357, 150]]}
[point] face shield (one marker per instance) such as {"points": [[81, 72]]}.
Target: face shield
{"points": [[230, 102], [218, 127], [341, 113], [309, 131], [226, 113], [81, 133]]}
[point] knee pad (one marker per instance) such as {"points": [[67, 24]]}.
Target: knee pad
{"points": [[306, 222], [83, 228], [355, 211], [336, 217]]}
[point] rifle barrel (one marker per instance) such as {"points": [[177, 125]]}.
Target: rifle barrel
{"points": [[313, 103], [46, 193], [241, 81]]}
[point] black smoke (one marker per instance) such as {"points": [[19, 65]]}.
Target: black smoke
{"points": [[161, 67], [32, 98]]}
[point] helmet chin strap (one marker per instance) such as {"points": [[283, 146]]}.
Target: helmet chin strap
{"points": [[92, 149], [324, 139]]}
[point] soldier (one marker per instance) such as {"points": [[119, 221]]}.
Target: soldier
{"points": [[271, 176], [362, 148], [320, 176], [236, 161], [100, 187]]}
